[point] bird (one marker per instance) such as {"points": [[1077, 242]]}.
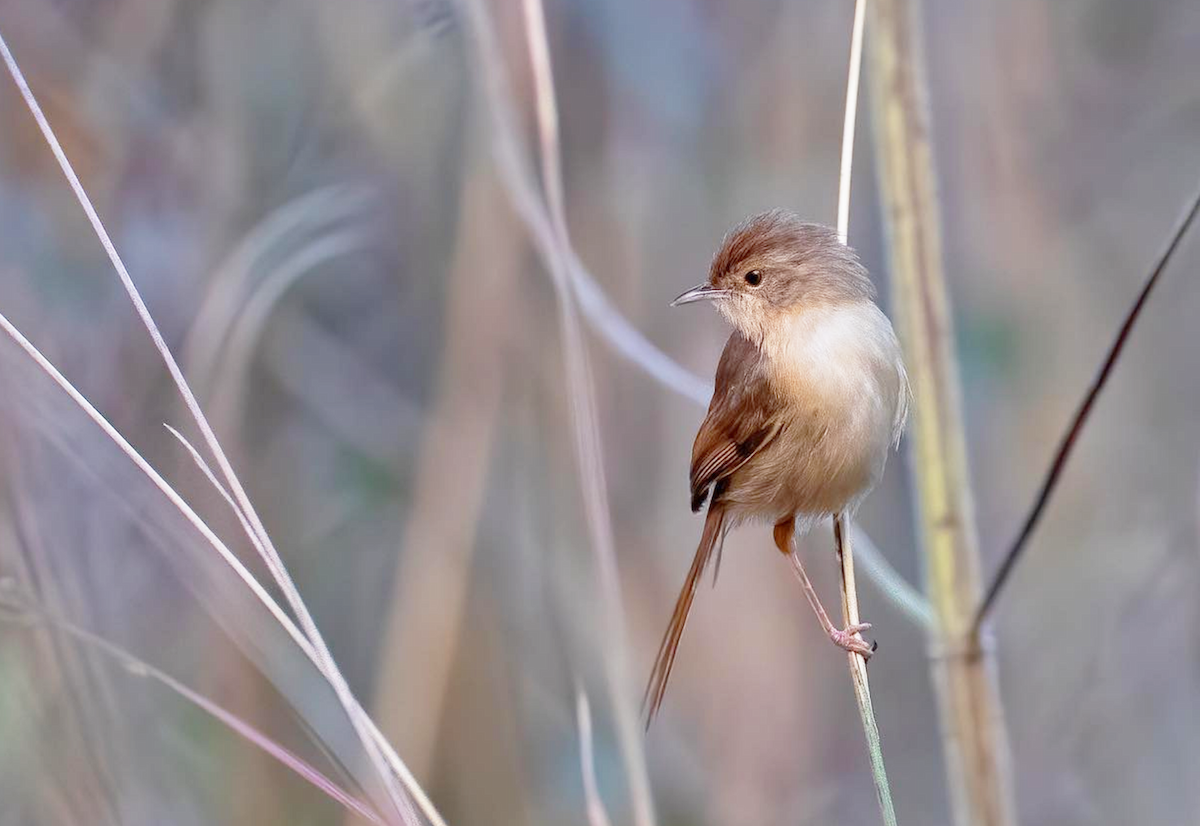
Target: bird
{"points": [[810, 397]]}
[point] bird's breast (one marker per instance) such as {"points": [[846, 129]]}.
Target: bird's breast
{"points": [[836, 373]]}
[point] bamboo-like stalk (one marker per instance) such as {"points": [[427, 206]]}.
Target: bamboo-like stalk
{"points": [[973, 733]]}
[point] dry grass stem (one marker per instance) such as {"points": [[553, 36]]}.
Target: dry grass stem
{"points": [[597, 814], [169, 492], [975, 740], [314, 213], [911, 603], [858, 663], [852, 85], [1067, 443], [586, 426], [858, 674], [401, 769], [177, 501], [323, 659], [242, 337], [239, 726]]}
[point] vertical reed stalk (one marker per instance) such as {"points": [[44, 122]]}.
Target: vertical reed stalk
{"points": [[972, 722], [858, 673], [841, 523], [588, 450]]}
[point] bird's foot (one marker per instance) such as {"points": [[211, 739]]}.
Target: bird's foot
{"points": [[851, 640]]}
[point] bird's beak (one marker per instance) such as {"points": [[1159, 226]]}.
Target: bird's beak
{"points": [[701, 292]]}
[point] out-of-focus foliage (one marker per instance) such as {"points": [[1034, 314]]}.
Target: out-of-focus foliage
{"points": [[305, 193]]}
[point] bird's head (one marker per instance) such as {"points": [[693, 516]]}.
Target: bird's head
{"points": [[774, 264]]}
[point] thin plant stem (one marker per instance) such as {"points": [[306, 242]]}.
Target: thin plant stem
{"points": [[585, 424], [858, 673], [597, 814], [242, 335], [879, 570], [1067, 443], [315, 212], [169, 492], [852, 84], [401, 769], [274, 563], [178, 502], [841, 524], [139, 668]]}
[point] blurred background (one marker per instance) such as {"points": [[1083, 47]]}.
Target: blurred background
{"points": [[307, 195]]}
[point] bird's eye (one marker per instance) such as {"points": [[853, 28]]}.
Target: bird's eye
{"points": [[754, 277]]}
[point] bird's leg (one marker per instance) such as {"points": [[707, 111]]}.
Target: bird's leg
{"points": [[849, 637]]}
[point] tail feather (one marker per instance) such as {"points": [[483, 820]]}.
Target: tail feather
{"points": [[661, 673]]}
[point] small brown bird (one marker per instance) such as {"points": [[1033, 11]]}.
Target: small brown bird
{"points": [[811, 394]]}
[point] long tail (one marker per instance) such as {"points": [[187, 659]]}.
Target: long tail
{"points": [[657, 687]]}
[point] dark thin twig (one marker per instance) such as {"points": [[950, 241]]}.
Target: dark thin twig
{"points": [[1079, 420]]}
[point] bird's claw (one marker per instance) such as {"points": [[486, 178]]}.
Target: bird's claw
{"points": [[851, 640]]}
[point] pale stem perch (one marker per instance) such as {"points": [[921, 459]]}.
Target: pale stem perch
{"points": [[841, 524], [852, 84], [858, 673]]}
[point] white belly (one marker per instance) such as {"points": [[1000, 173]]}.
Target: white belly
{"points": [[841, 378]]}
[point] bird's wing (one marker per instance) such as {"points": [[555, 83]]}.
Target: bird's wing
{"points": [[742, 419]]}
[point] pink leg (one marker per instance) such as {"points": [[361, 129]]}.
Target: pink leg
{"points": [[847, 638]]}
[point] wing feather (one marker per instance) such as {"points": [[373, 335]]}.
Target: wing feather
{"points": [[741, 418]]}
